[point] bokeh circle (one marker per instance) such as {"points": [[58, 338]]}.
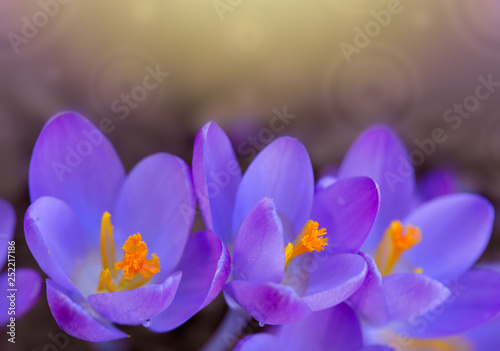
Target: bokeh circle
{"points": [[476, 24], [27, 27], [123, 71], [380, 84]]}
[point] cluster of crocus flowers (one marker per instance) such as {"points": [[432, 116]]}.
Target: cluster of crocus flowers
{"points": [[421, 291], [117, 248], [310, 259], [24, 283], [278, 229]]}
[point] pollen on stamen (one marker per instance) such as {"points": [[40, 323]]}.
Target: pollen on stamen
{"points": [[396, 241], [310, 239], [314, 238], [135, 261], [418, 270], [407, 241]]}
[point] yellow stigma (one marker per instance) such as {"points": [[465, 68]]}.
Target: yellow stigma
{"points": [[454, 343], [105, 281], [446, 344], [107, 244], [137, 268], [310, 239], [397, 239]]}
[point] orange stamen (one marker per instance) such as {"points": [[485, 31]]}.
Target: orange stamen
{"points": [[135, 261], [137, 268], [397, 239], [310, 239]]}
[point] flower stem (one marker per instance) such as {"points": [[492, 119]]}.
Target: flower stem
{"points": [[232, 328]]}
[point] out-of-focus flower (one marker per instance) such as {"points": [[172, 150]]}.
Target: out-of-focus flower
{"points": [[334, 329], [439, 182], [24, 283], [117, 248], [420, 282], [483, 338], [327, 177], [292, 253]]}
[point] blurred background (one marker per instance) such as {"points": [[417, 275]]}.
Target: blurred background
{"points": [[153, 72]]}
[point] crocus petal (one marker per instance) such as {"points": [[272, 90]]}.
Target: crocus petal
{"points": [[438, 183], [268, 303], [217, 176], [259, 253], [7, 226], [75, 162], [74, 319], [205, 267], [380, 155], [335, 329], [56, 240], [136, 306], [370, 300], [347, 209], [282, 172], [259, 342], [455, 231], [28, 287], [157, 200], [475, 300], [412, 295], [333, 280]]}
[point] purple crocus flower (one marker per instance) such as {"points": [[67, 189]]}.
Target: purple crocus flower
{"points": [[420, 280], [24, 283], [117, 248], [334, 329], [293, 253]]}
